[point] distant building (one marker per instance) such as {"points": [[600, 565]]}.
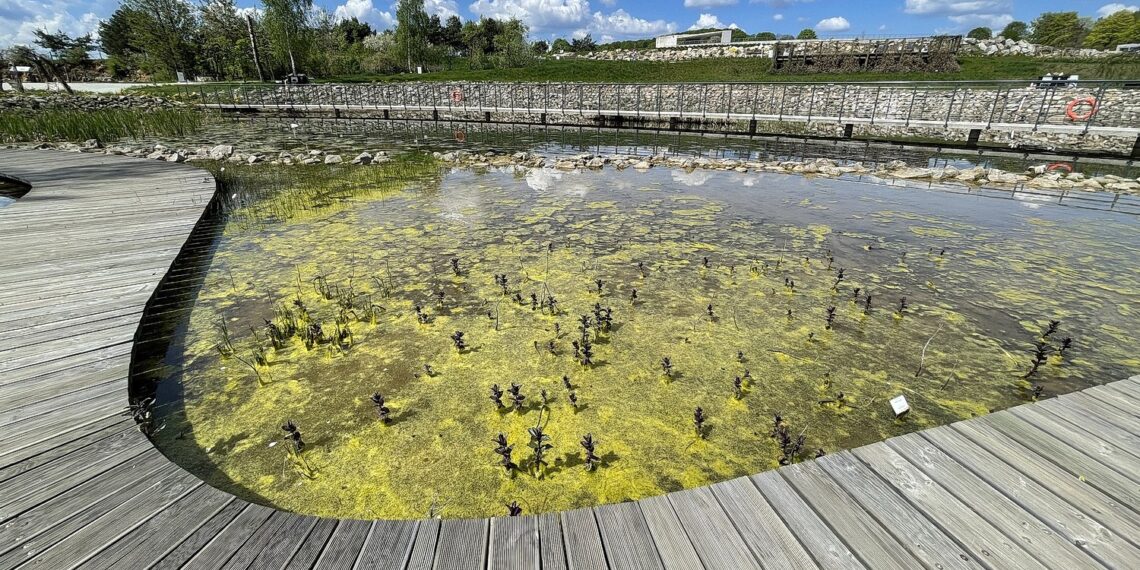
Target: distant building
{"points": [[1128, 47], [697, 39]]}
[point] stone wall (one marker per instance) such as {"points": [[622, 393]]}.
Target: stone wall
{"points": [[64, 101], [1000, 46]]}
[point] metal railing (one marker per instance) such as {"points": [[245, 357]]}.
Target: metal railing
{"points": [[1075, 107]]}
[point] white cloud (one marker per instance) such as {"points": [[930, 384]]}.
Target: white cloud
{"points": [[364, 11], [620, 24], [778, 3], [882, 27], [708, 3], [1110, 9], [777, 17], [992, 21], [539, 15], [956, 7], [834, 24], [609, 2], [19, 18], [710, 21]]}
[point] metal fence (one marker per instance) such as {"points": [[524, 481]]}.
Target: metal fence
{"points": [[1111, 107]]}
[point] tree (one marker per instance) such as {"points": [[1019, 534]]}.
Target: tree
{"points": [[287, 26], [24, 55], [1058, 29], [980, 33], [540, 47], [1015, 31], [806, 34], [353, 31], [1122, 27], [165, 33], [412, 24], [583, 44], [511, 49], [224, 40], [561, 45], [764, 37], [65, 52], [453, 33]]}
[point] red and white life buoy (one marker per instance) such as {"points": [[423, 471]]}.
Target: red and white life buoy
{"points": [[460, 136], [1071, 108], [1059, 166], [456, 95]]}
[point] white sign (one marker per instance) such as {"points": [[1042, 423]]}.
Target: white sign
{"points": [[899, 405]]}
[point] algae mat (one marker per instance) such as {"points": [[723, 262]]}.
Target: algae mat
{"points": [[789, 310]]}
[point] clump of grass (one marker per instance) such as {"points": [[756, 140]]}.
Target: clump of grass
{"points": [[104, 125]]}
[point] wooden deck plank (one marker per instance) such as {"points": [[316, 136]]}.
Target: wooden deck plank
{"points": [[1078, 406], [925, 540], [514, 544], [423, 550], [274, 542], [766, 535], [65, 444], [181, 552], [626, 538], [1020, 525], [313, 544], [218, 551], [712, 533], [462, 544], [1122, 459], [1063, 417], [343, 547], [673, 543], [583, 540], [1097, 403], [1075, 521], [388, 546], [1115, 400], [550, 542], [855, 527], [959, 519], [825, 546]]}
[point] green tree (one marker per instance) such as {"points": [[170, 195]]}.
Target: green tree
{"points": [[764, 37], [540, 47], [353, 31], [286, 24], [45, 67], [1058, 29], [561, 45], [1121, 27], [165, 32], [583, 44], [511, 48], [806, 34], [224, 45], [1015, 31], [453, 33], [412, 24], [65, 53], [980, 33]]}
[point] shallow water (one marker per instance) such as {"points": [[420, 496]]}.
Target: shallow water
{"points": [[718, 252]]}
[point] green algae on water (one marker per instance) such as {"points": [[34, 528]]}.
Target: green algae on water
{"points": [[734, 275]]}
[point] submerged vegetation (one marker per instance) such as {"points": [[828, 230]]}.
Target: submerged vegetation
{"points": [[103, 124], [453, 343]]}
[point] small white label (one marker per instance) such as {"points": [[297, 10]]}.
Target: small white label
{"points": [[899, 405]]}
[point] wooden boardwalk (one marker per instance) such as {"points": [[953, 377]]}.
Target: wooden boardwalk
{"points": [[1049, 485]]}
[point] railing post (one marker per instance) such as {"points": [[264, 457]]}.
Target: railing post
{"points": [[783, 94], [993, 110], [811, 103], [910, 109], [728, 110], [953, 95], [1096, 107], [842, 100], [1041, 110], [875, 105]]}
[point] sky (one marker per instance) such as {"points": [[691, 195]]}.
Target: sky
{"points": [[609, 20]]}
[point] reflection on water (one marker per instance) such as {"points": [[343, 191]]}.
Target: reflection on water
{"points": [[825, 298]]}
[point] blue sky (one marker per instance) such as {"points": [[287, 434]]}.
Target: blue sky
{"points": [[624, 19]]}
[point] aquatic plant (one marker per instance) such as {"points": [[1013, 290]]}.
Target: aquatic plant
{"points": [[455, 266], [1040, 356], [382, 410], [497, 395], [902, 307], [830, 317], [502, 282], [533, 302], [566, 382], [1052, 328], [699, 422], [226, 347], [599, 283], [1066, 344], [105, 125], [867, 305], [514, 509], [457, 340], [667, 367], [142, 412], [539, 444], [591, 460], [544, 397], [293, 435], [573, 397], [709, 310], [838, 278], [737, 388], [633, 297], [790, 447], [641, 268], [516, 396], [504, 450], [705, 262]]}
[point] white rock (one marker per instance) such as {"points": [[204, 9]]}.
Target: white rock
{"points": [[221, 151], [333, 159]]}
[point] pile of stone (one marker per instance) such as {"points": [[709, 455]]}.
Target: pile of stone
{"points": [[63, 101], [1000, 46]]}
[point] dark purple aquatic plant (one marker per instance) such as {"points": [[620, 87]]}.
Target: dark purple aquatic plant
{"points": [[738, 388], [497, 395], [867, 305], [667, 367], [514, 509], [455, 266], [382, 410], [591, 460], [293, 435], [516, 396], [566, 382], [699, 422], [830, 317], [457, 339], [504, 451], [1052, 328]]}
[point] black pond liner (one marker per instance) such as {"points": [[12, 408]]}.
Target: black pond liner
{"points": [[12, 189]]}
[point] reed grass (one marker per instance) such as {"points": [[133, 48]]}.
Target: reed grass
{"points": [[105, 125]]}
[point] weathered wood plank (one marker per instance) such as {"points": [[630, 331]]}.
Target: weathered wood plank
{"points": [[1094, 424], [626, 537], [769, 539], [673, 544], [550, 543], [712, 534], [179, 553], [1020, 525], [218, 551], [514, 544], [343, 547], [388, 546], [1075, 524], [423, 550], [910, 527], [312, 546], [584, 550], [826, 548], [959, 519], [462, 544]]}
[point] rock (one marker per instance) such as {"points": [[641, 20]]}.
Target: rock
{"points": [[333, 159], [912, 173], [221, 152], [362, 158], [155, 155], [176, 157], [642, 165], [255, 158], [92, 144], [596, 162]]}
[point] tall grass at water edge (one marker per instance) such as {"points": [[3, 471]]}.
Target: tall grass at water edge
{"points": [[105, 124]]}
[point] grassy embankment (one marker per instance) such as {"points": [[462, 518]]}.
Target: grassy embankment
{"points": [[104, 125]]}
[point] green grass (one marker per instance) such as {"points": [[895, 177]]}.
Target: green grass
{"points": [[104, 125]]}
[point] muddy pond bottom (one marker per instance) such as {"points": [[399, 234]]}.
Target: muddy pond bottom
{"points": [[467, 340]]}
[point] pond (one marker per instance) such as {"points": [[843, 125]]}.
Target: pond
{"points": [[11, 190], [615, 304]]}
